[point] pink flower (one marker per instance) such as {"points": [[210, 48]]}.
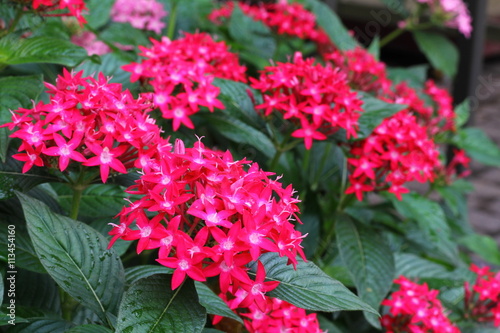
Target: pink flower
{"points": [[74, 7], [88, 41], [482, 299], [141, 14]]}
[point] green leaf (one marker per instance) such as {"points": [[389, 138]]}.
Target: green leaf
{"points": [[15, 92], [89, 328], [332, 25], [151, 306], [441, 53], [414, 76], [38, 291], [40, 50], [76, 257], [462, 113], [239, 132], [110, 65], [475, 142], [308, 287], [251, 34], [413, 266], [482, 245], [374, 47], [99, 11], [97, 200], [135, 273], [431, 220], [369, 260], [25, 253], [213, 303], [12, 179], [42, 325], [125, 34], [238, 103], [375, 111]]}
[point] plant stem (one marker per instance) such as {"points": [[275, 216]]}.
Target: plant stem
{"points": [[276, 158], [171, 22], [75, 204], [14, 23], [390, 37]]}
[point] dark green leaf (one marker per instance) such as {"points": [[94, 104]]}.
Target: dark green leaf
{"points": [[414, 76], [374, 47], [97, 200], [40, 50], [15, 92], [431, 221], [397, 6], [37, 291], [413, 266], [213, 303], [484, 246], [251, 34], [332, 25], [369, 260], [151, 306], [76, 257], [237, 101], [475, 142], [90, 329], [309, 287], [125, 34], [462, 113], [375, 111], [240, 132], [110, 66], [99, 11], [134, 274], [441, 53], [42, 325], [25, 253]]}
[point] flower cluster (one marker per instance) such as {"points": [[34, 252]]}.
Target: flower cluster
{"points": [[363, 71], [89, 121], [141, 14], [454, 14], [280, 316], [482, 300], [317, 98], [210, 215], [74, 7], [181, 73], [89, 42], [415, 309], [398, 151], [285, 18]]}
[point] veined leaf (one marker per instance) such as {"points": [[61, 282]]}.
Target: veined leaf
{"points": [[89, 329], [213, 303], [475, 142], [462, 113], [151, 306], [42, 325], [414, 76], [40, 50], [308, 287], [369, 260], [99, 11], [135, 273], [76, 257], [332, 25], [440, 52]]}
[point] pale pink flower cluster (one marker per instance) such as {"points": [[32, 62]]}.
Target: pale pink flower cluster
{"points": [[89, 42], [457, 10], [141, 14]]}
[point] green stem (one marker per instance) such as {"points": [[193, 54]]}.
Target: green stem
{"points": [[68, 305], [14, 23], [276, 158], [390, 37], [171, 22], [75, 204]]}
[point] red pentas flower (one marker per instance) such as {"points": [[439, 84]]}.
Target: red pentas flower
{"points": [[482, 299], [285, 18], [415, 308], [398, 151], [181, 73], [364, 72], [210, 215], [63, 7], [87, 121], [280, 316], [316, 98]]}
